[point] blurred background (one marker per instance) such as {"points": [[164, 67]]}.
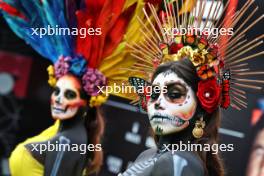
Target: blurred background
{"points": [[25, 112]]}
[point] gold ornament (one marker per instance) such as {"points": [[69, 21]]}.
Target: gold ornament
{"points": [[198, 129], [196, 56]]}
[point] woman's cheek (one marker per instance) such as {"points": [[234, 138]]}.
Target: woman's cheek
{"points": [[77, 104]]}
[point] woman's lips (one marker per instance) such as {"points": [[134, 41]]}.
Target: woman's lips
{"points": [[58, 110], [167, 119]]}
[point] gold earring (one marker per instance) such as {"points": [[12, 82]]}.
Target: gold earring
{"points": [[198, 129]]}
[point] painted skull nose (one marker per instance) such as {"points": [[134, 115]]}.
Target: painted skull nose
{"points": [[157, 105], [58, 100]]}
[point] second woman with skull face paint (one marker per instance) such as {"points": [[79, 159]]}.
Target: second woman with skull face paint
{"points": [[80, 66], [77, 124]]}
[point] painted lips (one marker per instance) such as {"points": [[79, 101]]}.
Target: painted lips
{"points": [[58, 110], [167, 119]]}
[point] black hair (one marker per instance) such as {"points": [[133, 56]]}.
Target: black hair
{"points": [[183, 68], [94, 124]]}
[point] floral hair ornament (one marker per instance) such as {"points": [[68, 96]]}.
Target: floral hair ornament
{"points": [[220, 64], [94, 59], [92, 79]]}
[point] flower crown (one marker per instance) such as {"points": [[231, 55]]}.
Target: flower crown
{"points": [[91, 78], [115, 23], [208, 64], [220, 66]]}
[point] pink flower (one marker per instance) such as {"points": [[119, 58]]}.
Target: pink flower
{"points": [[62, 66], [92, 80]]}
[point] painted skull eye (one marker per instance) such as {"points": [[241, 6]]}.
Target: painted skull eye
{"points": [[176, 92], [69, 94], [174, 95], [155, 93], [154, 96], [56, 91]]}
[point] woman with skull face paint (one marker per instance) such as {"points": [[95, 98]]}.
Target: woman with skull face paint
{"points": [[69, 106], [182, 109], [172, 115], [190, 79], [81, 66]]}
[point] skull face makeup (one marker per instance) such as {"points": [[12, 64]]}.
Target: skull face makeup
{"points": [[66, 99], [170, 110]]}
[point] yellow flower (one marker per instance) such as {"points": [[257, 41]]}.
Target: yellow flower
{"points": [[169, 57], [52, 81], [182, 53], [165, 51], [197, 59], [51, 72], [98, 100], [186, 51]]}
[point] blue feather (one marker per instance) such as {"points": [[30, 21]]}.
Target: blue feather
{"points": [[42, 14]]}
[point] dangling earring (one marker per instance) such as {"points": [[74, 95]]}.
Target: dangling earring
{"points": [[198, 129]]}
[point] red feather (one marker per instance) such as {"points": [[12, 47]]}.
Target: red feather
{"points": [[11, 10], [110, 13], [115, 35], [107, 15]]}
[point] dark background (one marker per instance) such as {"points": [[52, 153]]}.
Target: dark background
{"points": [[126, 130]]}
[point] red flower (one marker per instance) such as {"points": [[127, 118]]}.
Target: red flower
{"points": [[209, 93], [174, 47]]}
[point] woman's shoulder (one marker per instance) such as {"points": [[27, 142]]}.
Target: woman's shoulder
{"points": [[153, 162], [146, 154], [179, 163], [22, 162]]}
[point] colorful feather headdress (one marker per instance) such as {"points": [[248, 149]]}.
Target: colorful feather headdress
{"points": [[56, 28], [220, 61]]}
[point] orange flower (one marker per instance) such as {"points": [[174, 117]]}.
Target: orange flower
{"points": [[205, 72]]}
